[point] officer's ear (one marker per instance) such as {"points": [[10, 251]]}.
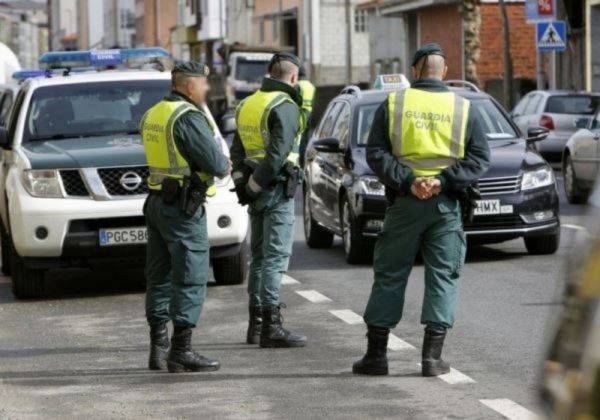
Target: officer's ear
{"points": [[445, 73], [294, 79]]}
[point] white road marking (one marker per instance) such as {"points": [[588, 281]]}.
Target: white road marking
{"points": [[455, 377], [510, 409], [288, 280], [395, 343], [570, 226], [348, 316], [313, 296]]}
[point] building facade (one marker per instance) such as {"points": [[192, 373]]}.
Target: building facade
{"points": [[119, 23], [24, 30], [153, 22]]}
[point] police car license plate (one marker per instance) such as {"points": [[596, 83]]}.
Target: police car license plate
{"points": [[492, 207], [123, 236]]}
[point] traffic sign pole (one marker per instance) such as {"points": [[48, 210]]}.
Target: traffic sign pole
{"points": [[540, 71]]}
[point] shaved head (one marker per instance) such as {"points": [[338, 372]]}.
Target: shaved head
{"points": [[433, 66], [285, 71]]}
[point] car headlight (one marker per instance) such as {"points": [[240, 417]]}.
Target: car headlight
{"points": [[370, 185], [42, 183], [538, 178]]}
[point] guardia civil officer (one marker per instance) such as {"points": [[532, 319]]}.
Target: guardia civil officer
{"points": [[265, 170], [307, 91], [426, 146], [183, 159]]}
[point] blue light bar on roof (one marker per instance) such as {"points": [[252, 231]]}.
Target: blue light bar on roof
{"points": [[28, 74], [99, 58]]}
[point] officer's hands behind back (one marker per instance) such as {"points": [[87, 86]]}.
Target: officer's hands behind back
{"points": [[425, 188]]}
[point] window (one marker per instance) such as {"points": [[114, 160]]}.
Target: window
{"points": [[491, 121], [520, 108], [342, 125], [533, 105], [573, 104], [329, 120], [6, 106], [91, 109], [365, 120], [251, 71], [361, 20]]}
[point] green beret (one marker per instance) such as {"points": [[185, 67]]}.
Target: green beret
{"points": [[284, 56], [191, 68], [426, 50]]}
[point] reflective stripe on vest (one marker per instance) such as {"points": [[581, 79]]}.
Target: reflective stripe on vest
{"points": [[427, 130], [307, 89], [164, 159], [252, 116]]}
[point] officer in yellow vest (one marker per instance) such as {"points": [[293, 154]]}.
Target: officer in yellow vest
{"points": [[307, 91], [183, 159], [426, 147], [265, 170]]}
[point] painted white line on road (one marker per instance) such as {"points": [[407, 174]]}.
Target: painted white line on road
{"points": [[510, 409], [455, 377], [395, 343], [313, 296], [348, 316], [570, 226], [288, 280]]}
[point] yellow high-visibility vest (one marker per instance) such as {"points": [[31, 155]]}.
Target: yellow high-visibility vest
{"points": [[164, 159], [427, 130], [252, 116], [307, 89]]}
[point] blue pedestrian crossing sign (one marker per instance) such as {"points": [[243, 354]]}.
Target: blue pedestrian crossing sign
{"points": [[551, 36]]}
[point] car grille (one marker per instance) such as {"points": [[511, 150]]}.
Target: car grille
{"points": [[504, 221], [73, 183], [505, 185], [111, 178]]}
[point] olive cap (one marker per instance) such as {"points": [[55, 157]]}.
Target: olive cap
{"points": [[426, 50], [191, 68], [284, 56]]}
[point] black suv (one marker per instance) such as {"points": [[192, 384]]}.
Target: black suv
{"points": [[343, 197]]}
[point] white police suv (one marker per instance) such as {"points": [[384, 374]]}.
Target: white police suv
{"points": [[73, 174]]}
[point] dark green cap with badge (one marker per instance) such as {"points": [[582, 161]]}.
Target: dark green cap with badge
{"points": [[284, 56], [427, 50], [191, 68]]}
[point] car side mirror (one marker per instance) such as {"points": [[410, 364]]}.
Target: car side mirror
{"points": [[228, 125], [535, 134], [327, 145]]}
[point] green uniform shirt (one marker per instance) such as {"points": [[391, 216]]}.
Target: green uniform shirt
{"points": [[195, 141], [399, 177], [283, 123]]}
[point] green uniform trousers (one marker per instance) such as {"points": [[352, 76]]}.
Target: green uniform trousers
{"points": [[272, 224], [435, 227], [177, 260]]}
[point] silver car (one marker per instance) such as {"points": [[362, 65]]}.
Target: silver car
{"points": [[581, 161], [562, 112]]}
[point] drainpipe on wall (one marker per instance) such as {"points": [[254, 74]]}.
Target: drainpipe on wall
{"points": [[348, 44]]}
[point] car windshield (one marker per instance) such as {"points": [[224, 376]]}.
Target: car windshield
{"points": [[493, 122], [251, 71], [573, 104], [91, 109]]}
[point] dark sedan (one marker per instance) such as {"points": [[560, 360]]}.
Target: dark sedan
{"points": [[343, 197]]}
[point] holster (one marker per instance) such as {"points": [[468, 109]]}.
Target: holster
{"points": [[468, 202], [292, 174], [193, 194], [170, 190]]}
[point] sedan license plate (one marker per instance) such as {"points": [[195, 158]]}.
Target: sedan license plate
{"points": [[492, 207], [123, 236]]}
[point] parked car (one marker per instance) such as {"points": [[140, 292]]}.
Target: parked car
{"points": [[342, 196], [560, 112], [73, 179], [571, 376], [581, 161]]}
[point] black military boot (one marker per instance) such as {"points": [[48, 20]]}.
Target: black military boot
{"points": [[375, 361], [272, 333], [183, 359], [159, 347], [432, 363], [254, 325]]}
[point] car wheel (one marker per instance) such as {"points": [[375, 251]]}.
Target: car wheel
{"points": [[5, 249], [543, 245], [316, 236], [27, 283], [358, 250], [232, 269], [575, 194]]}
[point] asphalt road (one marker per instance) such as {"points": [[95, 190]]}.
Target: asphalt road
{"points": [[81, 352]]}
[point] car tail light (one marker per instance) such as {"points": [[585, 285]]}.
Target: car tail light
{"points": [[547, 122]]}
